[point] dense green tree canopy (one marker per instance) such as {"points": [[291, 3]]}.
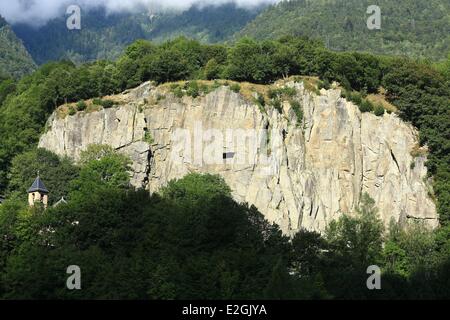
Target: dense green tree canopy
{"points": [[57, 173], [104, 35], [15, 61], [408, 28], [188, 243], [183, 244]]}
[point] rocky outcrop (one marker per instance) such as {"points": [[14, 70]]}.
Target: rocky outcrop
{"points": [[300, 173]]}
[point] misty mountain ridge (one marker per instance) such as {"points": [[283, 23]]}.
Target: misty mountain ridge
{"points": [[104, 35], [418, 30]]}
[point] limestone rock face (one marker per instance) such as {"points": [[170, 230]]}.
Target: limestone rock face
{"points": [[298, 173]]}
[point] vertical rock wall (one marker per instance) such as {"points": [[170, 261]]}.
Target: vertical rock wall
{"points": [[300, 174]]}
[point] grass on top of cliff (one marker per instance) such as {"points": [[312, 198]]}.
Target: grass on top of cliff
{"points": [[270, 94], [88, 106], [198, 88], [258, 94], [194, 89], [380, 99]]}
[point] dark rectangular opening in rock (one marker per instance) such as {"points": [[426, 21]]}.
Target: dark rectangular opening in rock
{"points": [[228, 155]]}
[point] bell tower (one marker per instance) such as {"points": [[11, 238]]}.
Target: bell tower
{"points": [[38, 193]]}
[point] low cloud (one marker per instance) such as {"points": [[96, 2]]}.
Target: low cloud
{"points": [[38, 12]]}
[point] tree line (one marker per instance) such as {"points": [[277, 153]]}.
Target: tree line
{"points": [[191, 240]]}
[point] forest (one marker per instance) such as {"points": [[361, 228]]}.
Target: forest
{"points": [[174, 244], [105, 35], [193, 241], [417, 29], [15, 61]]}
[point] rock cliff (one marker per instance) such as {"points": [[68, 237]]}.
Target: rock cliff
{"points": [[300, 173]]}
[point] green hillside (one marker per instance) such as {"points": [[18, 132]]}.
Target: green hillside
{"points": [[14, 58], [210, 24], [105, 36], [409, 27]]}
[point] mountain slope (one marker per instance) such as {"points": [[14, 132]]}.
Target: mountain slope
{"points": [[409, 27], [15, 61], [105, 36], [209, 24]]}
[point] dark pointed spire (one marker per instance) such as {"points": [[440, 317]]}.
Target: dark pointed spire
{"points": [[38, 186]]}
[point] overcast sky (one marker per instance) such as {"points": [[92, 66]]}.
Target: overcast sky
{"points": [[37, 12]]}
